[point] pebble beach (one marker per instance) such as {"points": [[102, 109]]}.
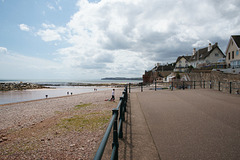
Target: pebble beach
{"points": [[69, 127]]}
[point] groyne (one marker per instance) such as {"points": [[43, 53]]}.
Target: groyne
{"points": [[19, 86]]}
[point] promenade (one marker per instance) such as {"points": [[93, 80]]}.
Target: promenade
{"points": [[181, 125]]}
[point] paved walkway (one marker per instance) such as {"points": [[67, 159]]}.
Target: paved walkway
{"points": [[182, 125]]}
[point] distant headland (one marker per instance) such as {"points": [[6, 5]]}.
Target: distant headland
{"points": [[120, 78]]}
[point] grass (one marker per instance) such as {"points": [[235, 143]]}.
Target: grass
{"points": [[89, 121], [82, 105]]}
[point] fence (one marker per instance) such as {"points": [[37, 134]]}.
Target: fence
{"points": [[229, 87], [117, 130]]}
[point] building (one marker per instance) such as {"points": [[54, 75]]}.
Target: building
{"points": [[158, 73], [170, 77], [232, 52], [206, 56], [182, 64]]}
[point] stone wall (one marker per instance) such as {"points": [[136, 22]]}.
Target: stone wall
{"points": [[219, 81], [214, 76]]}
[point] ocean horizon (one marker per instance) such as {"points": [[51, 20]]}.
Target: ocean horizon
{"points": [[67, 81]]}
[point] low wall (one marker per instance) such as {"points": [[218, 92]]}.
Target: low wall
{"points": [[214, 76]]}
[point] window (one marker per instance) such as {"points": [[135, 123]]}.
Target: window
{"points": [[229, 56], [216, 54], [237, 52], [180, 61], [232, 54]]}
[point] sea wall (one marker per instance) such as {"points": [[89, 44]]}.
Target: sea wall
{"points": [[225, 82], [214, 76], [18, 86]]}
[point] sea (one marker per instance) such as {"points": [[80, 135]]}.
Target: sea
{"points": [[56, 88]]}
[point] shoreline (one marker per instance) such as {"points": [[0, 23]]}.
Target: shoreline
{"points": [[51, 104], [43, 129], [7, 104], [19, 86], [10, 97]]}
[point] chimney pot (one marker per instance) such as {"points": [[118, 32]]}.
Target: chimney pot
{"points": [[194, 51], [209, 47]]}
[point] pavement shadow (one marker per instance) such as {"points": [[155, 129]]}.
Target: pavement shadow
{"points": [[126, 143]]}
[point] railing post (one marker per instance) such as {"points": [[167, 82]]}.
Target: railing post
{"points": [[210, 85], [121, 117], [115, 134], [219, 83], [183, 85], [172, 86], [126, 94], [141, 87], [155, 86], [194, 84], [129, 88], [230, 86], [123, 107]]}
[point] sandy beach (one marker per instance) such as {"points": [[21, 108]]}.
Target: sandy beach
{"points": [[69, 127]]}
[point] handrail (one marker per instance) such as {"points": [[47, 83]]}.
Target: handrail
{"points": [[117, 130], [230, 87], [102, 145]]}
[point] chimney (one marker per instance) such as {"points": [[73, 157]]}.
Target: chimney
{"points": [[216, 43], [194, 51], [198, 56], [209, 47]]}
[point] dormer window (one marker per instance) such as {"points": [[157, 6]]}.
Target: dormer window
{"points": [[216, 54]]}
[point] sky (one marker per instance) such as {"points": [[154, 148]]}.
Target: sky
{"points": [[92, 39]]}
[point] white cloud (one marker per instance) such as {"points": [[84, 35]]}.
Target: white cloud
{"points": [[44, 25], [114, 37], [54, 6], [24, 27], [3, 50], [50, 7], [51, 34], [25, 67]]}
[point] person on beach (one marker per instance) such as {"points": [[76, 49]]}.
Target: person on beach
{"points": [[113, 95]]}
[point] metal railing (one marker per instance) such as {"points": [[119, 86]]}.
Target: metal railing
{"points": [[117, 130], [229, 87]]}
